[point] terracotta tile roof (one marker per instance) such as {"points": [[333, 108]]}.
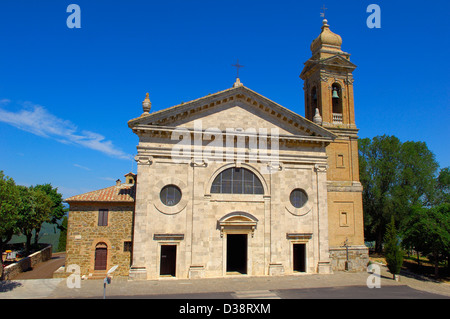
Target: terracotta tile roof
{"points": [[117, 193]]}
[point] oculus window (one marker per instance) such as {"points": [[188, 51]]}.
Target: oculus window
{"points": [[170, 195], [298, 198]]}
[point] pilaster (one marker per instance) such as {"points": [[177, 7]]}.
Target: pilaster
{"points": [[324, 265], [138, 270]]}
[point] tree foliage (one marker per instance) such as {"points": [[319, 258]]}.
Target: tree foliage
{"points": [[428, 231], [63, 235], [9, 212], [443, 187], [24, 209], [57, 207], [26, 214], [395, 176], [9, 197], [51, 211], [379, 162], [392, 249]]}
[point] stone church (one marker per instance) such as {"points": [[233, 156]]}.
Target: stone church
{"points": [[234, 184]]}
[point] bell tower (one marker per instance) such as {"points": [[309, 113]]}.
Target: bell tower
{"points": [[328, 90], [328, 82]]}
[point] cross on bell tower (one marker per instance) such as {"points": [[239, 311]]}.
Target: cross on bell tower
{"points": [[322, 14]]}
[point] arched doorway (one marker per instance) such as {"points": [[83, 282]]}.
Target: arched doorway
{"points": [[101, 256]]}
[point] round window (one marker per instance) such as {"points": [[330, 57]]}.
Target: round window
{"points": [[298, 198], [170, 195]]}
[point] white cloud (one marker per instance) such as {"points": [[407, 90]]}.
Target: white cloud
{"points": [[82, 167], [37, 120]]}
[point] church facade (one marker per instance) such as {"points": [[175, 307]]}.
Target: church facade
{"points": [[234, 183]]}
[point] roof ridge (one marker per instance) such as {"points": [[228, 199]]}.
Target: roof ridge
{"points": [[97, 190], [98, 194]]}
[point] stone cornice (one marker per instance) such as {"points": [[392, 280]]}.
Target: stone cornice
{"points": [[336, 186], [241, 93], [166, 131]]}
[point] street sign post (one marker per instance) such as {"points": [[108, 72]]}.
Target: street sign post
{"points": [[107, 279]]}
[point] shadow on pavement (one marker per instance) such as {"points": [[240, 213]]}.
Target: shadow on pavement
{"points": [[8, 285]]}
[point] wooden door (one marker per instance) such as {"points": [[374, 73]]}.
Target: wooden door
{"points": [[101, 255]]}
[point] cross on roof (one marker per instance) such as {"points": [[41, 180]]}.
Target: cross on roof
{"points": [[237, 65], [322, 14]]}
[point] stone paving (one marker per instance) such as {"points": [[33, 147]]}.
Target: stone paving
{"points": [[219, 287]]}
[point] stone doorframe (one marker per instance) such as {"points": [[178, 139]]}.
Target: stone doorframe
{"points": [[237, 223], [168, 239], [299, 238]]}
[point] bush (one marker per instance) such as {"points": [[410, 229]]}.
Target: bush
{"points": [[392, 250]]}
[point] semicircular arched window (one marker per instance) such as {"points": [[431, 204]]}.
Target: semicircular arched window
{"points": [[237, 181]]}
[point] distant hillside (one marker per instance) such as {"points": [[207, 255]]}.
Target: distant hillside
{"points": [[49, 234]]}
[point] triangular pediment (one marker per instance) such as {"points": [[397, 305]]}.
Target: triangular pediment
{"points": [[336, 61], [239, 108]]}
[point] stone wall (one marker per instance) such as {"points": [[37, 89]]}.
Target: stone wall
{"points": [[28, 263], [358, 257]]}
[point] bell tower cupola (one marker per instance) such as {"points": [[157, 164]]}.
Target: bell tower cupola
{"points": [[328, 82]]}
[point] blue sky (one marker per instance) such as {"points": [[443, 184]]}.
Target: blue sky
{"points": [[66, 94]]}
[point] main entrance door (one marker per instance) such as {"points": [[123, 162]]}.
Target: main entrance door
{"points": [[299, 257], [168, 260], [237, 253]]}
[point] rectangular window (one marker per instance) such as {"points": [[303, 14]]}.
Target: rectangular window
{"points": [[127, 246], [103, 217]]}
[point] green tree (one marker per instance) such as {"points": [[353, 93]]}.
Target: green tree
{"points": [[396, 177], [417, 172], [413, 235], [57, 207], [443, 186], [42, 205], [63, 235], [27, 214], [392, 249], [34, 209], [379, 171], [9, 198], [428, 231]]}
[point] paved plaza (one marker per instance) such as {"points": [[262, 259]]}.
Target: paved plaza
{"points": [[345, 285]]}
